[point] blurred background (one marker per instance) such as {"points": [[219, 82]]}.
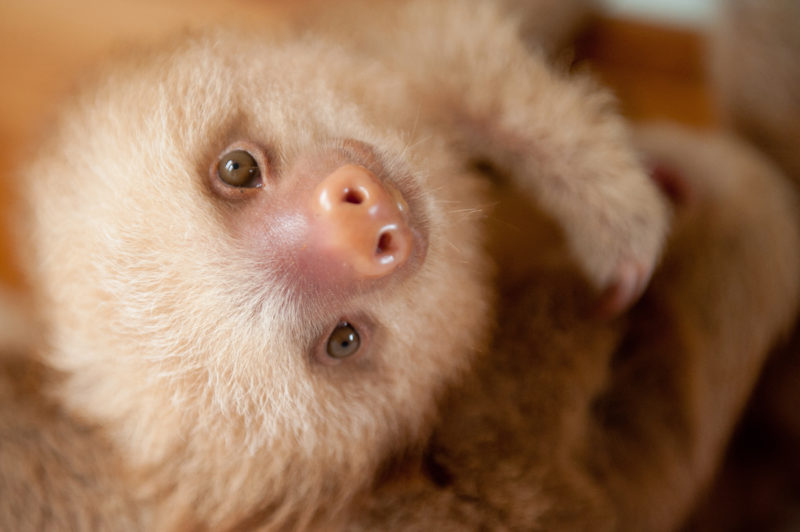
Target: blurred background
{"points": [[683, 12]]}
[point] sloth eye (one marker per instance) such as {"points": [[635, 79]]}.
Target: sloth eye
{"points": [[343, 341], [238, 168]]}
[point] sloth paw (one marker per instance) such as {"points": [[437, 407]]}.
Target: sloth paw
{"points": [[631, 276], [625, 288]]}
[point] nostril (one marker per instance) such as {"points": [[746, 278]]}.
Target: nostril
{"points": [[360, 223], [354, 196], [384, 243]]}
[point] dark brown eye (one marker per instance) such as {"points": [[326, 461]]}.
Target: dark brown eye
{"points": [[343, 341], [239, 169]]}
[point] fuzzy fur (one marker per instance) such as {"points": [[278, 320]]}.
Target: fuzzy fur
{"points": [[756, 71], [187, 352], [179, 343], [182, 360], [577, 425], [756, 83]]}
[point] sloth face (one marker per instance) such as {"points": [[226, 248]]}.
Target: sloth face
{"points": [[257, 239]]}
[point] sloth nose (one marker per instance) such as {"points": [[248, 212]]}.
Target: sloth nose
{"points": [[363, 221]]}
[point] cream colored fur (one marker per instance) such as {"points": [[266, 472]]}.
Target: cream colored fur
{"points": [[185, 350], [181, 344], [179, 361]]}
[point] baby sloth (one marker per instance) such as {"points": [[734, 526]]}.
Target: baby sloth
{"points": [[260, 259]]}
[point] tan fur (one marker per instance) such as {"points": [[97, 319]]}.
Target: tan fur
{"points": [[551, 24], [55, 473], [184, 363], [17, 332], [576, 425], [176, 342], [756, 81], [503, 104], [755, 51], [194, 363]]}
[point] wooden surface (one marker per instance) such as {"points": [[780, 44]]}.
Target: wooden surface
{"points": [[45, 45], [657, 72]]}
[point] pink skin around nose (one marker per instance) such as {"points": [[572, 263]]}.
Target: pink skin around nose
{"points": [[360, 223]]}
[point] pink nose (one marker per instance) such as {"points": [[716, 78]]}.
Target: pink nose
{"points": [[363, 222]]}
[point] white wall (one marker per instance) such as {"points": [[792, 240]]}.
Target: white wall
{"points": [[686, 12]]}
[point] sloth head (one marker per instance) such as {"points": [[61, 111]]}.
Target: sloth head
{"points": [[252, 264]]}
